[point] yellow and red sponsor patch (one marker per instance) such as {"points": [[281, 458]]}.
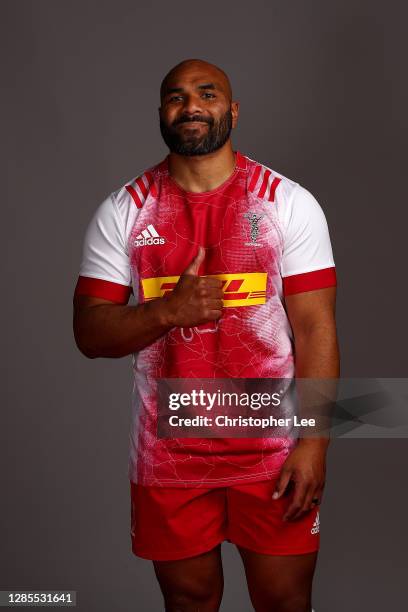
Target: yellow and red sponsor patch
{"points": [[244, 289]]}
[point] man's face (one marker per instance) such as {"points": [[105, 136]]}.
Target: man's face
{"points": [[196, 114]]}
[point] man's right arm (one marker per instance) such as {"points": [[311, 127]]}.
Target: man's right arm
{"points": [[106, 329]]}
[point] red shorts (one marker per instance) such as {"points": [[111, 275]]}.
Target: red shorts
{"points": [[176, 523]]}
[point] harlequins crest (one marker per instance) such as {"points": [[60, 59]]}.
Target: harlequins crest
{"points": [[253, 219]]}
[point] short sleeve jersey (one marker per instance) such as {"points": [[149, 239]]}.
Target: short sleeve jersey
{"points": [[265, 237]]}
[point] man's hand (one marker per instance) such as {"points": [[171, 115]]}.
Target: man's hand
{"points": [[305, 468], [194, 300]]}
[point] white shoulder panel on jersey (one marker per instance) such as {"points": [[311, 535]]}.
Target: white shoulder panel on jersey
{"points": [[306, 240], [105, 253]]}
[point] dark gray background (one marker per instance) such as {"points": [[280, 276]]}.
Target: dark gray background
{"points": [[322, 101]]}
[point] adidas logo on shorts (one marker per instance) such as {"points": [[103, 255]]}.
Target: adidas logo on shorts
{"points": [[148, 236], [316, 525]]}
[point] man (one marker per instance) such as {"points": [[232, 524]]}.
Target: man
{"points": [[232, 270]]}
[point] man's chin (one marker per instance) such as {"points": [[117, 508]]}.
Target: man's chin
{"points": [[190, 147], [191, 152]]}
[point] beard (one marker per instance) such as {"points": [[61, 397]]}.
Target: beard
{"points": [[189, 142]]}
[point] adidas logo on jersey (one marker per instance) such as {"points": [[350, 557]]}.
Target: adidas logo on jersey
{"points": [[148, 236], [316, 525]]}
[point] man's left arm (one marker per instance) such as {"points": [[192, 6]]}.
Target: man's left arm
{"points": [[312, 317]]}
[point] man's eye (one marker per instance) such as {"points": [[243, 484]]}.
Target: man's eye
{"points": [[208, 94], [175, 98]]}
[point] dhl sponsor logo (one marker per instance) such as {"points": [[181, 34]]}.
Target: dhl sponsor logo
{"points": [[247, 289]]}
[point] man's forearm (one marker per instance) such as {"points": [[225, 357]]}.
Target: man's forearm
{"points": [[317, 357], [316, 372], [110, 330]]}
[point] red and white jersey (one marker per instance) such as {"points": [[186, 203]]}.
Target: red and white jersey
{"points": [[265, 237]]}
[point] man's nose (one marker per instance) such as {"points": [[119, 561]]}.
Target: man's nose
{"points": [[193, 105]]}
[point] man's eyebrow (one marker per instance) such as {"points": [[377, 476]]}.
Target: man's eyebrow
{"points": [[170, 90], [207, 86]]}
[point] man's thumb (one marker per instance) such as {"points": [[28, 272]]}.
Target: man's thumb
{"points": [[281, 484], [193, 267]]}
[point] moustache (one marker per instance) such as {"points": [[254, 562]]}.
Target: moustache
{"points": [[185, 119]]}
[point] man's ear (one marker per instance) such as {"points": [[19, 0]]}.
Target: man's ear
{"points": [[235, 113]]}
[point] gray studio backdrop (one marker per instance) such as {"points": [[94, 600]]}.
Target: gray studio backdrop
{"points": [[320, 86]]}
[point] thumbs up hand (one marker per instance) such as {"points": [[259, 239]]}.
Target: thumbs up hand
{"points": [[195, 300]]}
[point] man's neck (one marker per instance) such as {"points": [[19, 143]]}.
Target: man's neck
{"points": [[202, 172]]}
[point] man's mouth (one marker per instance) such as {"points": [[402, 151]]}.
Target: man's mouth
{"points": [[193, 123]]}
